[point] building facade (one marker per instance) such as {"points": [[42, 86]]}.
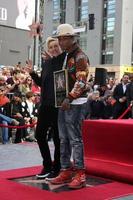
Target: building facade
{"points": [[15, 41], [105, 27], [15, 46]]}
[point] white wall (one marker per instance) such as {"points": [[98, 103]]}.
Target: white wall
{"points": [[126, 32], [95, 36]]}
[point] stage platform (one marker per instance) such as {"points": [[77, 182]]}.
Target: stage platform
{"points": [[108, 159], [108, 148]]}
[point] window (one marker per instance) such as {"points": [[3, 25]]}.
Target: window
{"points": [[3, 14], [110, 24], [110, 8], [108, 31], [107, 59], [109, 43], [82, 10], [59, 11], [83, 43]]}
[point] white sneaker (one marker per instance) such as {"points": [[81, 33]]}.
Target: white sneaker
{"points": [[43, 174]]}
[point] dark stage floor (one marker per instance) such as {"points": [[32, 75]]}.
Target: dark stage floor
{"points": [[45, 185]]}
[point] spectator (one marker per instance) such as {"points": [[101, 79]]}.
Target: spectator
{"points": [[14, 82], [30, 113], [26, 85], [111, 84], [119, 95], [35, 88], [129, 93], [2, 81], [16, 113], [108, 107], [96, 106], [4, 115]]}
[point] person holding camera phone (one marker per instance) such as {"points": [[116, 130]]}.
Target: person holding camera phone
{"points": [[13, 82]]}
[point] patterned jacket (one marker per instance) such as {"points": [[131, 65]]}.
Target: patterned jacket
{"points": [[78, 68]]}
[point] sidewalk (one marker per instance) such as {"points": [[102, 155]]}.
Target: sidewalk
{"points": [[27, 154]]}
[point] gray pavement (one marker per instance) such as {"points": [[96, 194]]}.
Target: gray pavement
{"points": [[27, 154], [130, 197]]}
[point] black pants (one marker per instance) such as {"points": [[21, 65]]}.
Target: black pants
{"points": [[118, 110], [21, 132], [48, 117]]}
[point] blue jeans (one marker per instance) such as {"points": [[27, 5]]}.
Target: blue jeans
{"points": [[5, 120], [4, 132], [71, 143]]}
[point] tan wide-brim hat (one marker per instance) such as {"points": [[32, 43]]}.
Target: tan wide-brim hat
{"points": [[65, 30]]}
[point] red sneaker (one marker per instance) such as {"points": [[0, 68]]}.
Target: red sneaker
{"points": [[78, 181], [65, 176]]}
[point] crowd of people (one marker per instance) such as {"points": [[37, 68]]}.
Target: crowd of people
{"points": [[110, 101], [19, 100], [27, 97]]}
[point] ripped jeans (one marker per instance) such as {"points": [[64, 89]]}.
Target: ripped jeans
{"points": [[71, 143]]}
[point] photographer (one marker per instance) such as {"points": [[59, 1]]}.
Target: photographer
{"points": [[13, 82]]}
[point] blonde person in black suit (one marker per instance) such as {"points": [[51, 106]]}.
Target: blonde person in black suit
{"points": [[52, 61]]}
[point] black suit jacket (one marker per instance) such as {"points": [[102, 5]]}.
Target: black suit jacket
{"points": [[46, 81], [129, 93], [118, 92], [119, 107]]}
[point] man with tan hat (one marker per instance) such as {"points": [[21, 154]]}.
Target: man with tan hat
{"points": [[71, 112]]}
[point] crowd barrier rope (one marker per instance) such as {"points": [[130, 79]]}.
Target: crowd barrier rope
{"points": [[12, 126], [33, 124], [126, 111]]}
